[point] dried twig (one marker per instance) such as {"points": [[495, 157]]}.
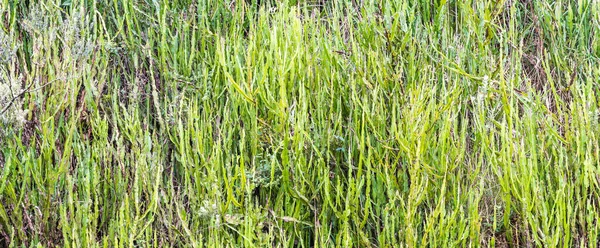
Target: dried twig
{"points": [[26, 90]]}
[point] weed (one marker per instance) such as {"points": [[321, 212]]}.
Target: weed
{"points": [[299, 123]]}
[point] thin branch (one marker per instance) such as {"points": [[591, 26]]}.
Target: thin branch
{"points": [[10, 103], [26, 90]]}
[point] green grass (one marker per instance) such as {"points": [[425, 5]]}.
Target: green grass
{"points": [[307, 123]]}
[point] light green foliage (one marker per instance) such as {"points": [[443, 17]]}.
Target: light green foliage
{"points": [[10, 87], [371, 123]]}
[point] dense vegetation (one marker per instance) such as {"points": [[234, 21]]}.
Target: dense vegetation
{"points": [[349, 123]]}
